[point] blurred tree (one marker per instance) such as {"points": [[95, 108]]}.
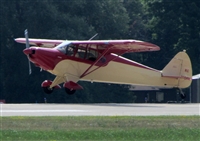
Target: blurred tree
{"points": [[174, 26], [138, 28]]}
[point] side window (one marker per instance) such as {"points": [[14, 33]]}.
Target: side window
{"points": [[89, 54], [92, 55], [80, 53], [70, 50]]}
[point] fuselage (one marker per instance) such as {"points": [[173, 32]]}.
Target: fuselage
{"points": [[109, 69], [118, 71]]}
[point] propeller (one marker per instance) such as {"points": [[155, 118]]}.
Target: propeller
{"points": [[27, 46]]}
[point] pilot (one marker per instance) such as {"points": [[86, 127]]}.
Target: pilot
{"points": [[70, 51]]}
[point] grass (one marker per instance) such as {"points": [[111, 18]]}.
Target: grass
{"points": [[90, 128]]}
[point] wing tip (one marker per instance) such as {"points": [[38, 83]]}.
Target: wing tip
{"points": [[20, 40]]}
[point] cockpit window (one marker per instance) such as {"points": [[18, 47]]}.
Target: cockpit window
{"points": [[77, 51], [70, 50], [80, 53]]}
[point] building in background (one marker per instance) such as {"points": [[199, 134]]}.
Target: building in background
{"points": [[195, 91], [147, 94]]}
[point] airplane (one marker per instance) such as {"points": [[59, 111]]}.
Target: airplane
{"points": [[101, 61]]}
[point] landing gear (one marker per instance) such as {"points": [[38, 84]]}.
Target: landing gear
{"points": [[69, 91], [71, 87], [48, 90], [46, 86], [182, 94]]}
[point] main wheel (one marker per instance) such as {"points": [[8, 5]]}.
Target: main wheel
{"points": [[47, 90], [70, 92]]}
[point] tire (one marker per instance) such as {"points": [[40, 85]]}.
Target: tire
{"points": [[183, 96], [47, 90], [69, 92]]}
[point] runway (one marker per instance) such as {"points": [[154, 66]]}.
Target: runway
{"points": [[112, 109]]}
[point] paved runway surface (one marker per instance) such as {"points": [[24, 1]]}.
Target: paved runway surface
{"points": [[99, 109]]}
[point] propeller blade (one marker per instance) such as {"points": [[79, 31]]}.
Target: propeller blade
{"points": [[27, 46], [29, 65], [26, 36]]}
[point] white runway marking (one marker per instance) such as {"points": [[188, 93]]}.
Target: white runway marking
{"points": [[37, 111], [99, 109]]}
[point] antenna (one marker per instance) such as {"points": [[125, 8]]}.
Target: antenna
{"points": [[93, 37]]}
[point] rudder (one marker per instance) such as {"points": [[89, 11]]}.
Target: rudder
{"points": [[180, 68]]}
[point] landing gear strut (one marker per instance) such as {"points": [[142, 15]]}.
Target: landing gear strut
{"points": [[182, 94]]}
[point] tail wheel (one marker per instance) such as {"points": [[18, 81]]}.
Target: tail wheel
{"points": [[70, 92], [47, 90], [183, 96]]}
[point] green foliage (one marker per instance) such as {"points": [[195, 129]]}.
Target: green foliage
{"points": [[175, 26]]}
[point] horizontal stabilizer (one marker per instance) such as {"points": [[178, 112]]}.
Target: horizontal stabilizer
{"points": [[196, 76]]}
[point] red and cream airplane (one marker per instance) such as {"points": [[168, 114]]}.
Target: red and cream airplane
{"points": [[101, 61]]}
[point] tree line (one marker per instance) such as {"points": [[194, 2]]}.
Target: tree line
{"points": [[172, 25]]}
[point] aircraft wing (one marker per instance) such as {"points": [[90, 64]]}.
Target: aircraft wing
{"points": [[40, 42], [119, 46], [114, 46]]}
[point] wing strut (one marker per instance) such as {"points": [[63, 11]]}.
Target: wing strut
{"points": [[88, 69]]}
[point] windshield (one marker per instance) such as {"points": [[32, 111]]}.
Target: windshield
{"points": [[66, 48]]}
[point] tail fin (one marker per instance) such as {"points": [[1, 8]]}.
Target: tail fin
{"points": [[180, 68]]}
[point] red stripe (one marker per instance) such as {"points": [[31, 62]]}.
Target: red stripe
{"points": [[176, 77]]}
